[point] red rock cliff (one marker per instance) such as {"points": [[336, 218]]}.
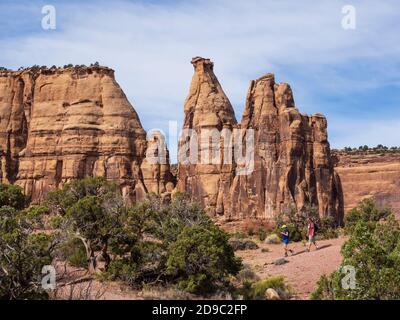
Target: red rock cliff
{"points": [[370, 175]]}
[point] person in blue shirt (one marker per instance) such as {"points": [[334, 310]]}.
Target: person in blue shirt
{"points": [[285, 239]]}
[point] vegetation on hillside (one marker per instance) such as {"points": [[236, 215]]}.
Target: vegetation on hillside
{"points": [[368, 150], [54, 67]]}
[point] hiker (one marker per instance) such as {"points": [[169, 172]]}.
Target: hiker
{"points": [[285, 239], [312, 228]]}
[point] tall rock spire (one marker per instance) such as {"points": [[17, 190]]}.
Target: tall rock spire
{"points": [[293, 166], [208, 176], [207, 106]]}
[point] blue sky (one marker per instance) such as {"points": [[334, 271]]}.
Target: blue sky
{"points": [[351, 76]]}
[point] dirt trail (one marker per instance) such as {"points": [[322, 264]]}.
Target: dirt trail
{"points": [[303, 269]]}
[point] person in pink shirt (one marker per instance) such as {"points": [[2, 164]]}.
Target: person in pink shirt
{"points": [[311, 230]]}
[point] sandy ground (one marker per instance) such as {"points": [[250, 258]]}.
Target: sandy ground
{"points": [[303, 269]]}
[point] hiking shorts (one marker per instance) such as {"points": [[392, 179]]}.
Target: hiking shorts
{"points": [[311, 239], [285, 241]]}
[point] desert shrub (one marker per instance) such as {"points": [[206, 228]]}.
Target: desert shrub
{"points": [[246, 274], [95, 221], [373, 250], [92, 211], [164, 293], [201, 259], [22, 256], [256, 290], [12, 196], [55, 222], [250, 231], [242, 244], [145, 263], [261, 234], [61, 200], [238, 235], [74, 252], [171, 244], [37, 215], [296, 233], [297, 224], [366, 211], [325, 289], [327, 228], [273, 238]]}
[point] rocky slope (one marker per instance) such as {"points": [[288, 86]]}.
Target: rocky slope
{"points": [[292, 162], [63, 124], [374, 175]]}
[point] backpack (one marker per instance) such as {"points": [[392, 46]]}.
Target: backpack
{"points": [[316, 228]]}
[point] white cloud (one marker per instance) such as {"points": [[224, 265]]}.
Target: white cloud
{"points": [[150, 47]]}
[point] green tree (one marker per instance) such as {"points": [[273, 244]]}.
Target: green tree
{"points": [[373, 249], [367, 211], [95, 221], [297, 223], [201, 259], [22, 255], [92, 211], [60, 200], [11, 195], [160, 247]]}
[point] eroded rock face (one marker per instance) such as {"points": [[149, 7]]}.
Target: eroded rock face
{"points": [[15, 101], [292, 162], [63, 124]]}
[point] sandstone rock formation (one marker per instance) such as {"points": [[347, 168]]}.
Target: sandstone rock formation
{"points": [[60, 124], [292, 162], [293, 166], [365, 175], [206, 108], [63, 124]]}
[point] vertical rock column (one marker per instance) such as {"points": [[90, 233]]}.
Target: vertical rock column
{"points": [[207, 110], [256, 195], [293, 166]]}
